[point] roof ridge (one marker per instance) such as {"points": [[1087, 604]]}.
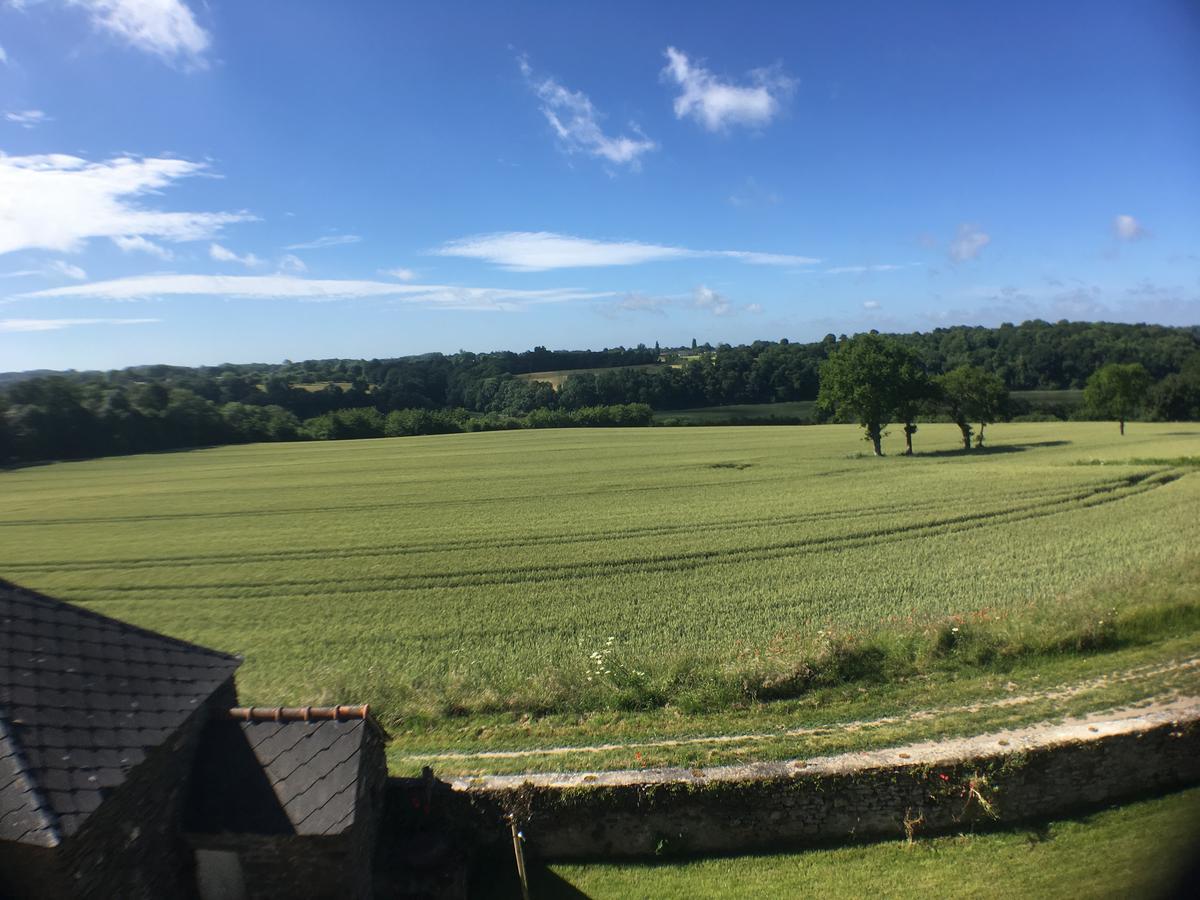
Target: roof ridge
{"points": [[299, 713], [118, 623], [39, 805]]}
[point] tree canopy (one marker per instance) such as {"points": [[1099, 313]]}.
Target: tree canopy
{"points": [[972, 395], [1117, 390], [868, 379]]}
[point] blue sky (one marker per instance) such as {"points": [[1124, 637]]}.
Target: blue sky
{"points": [[193, 182]]}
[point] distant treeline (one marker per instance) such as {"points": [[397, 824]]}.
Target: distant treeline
{"points": [[81, 414]]}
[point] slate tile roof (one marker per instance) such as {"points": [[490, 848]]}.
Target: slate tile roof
{"points": [[83, 698], [263, 777]]}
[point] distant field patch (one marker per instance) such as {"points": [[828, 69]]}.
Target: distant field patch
{"points": [[790, 413], [321, 385], [558, 376]]}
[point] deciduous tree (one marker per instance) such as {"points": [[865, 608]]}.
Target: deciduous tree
{"points": [[864, 379], [972, 395], [1117, 390]]}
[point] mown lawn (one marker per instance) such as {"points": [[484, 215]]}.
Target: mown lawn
{"points": [[450, 580], [1139, 850]]}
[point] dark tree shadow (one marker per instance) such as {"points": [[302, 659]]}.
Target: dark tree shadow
{"points": [[991, 449]]}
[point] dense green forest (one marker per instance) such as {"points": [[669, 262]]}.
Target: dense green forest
{"points": [[82, 414]]}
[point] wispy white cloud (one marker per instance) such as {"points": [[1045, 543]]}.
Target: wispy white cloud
{"points": [[285, 287], [639, 302], [224, 254], [27, 118], [57, 268], [24, 325], [870, 304], [1127, 228], [331, 240], [717, 104], [57, 202], [751, 193], [67, 270], [860, 270], [164, 28], [1167, 304], [138, 244], [576, 123], [968, 242], [3, 57], [701, 298], [400, 274], [536, 251]]}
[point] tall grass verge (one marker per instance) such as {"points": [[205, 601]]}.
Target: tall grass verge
{"points": [[1138, 611]]}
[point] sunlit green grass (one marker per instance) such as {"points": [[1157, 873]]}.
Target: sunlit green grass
{"points": [[1139, 850], [576, 571]]}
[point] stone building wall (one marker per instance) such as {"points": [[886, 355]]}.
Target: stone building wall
{"points": [[131, 846], [288, 866]]}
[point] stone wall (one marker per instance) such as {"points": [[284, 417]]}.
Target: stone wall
{"points": [[921, 789]]}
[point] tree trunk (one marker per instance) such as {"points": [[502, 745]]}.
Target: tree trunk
{"points": [[1122, 426], [966, 434], [875, 433], [979, 439], [909, 428]]}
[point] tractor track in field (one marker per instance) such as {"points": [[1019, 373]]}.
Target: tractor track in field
{"points": [[397, 504], [1054, 694], [502, 543], [1130, 486]]}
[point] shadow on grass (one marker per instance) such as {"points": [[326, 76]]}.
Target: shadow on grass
{"points": [[496, 879], [991, 450], [1179, 875], [39, 463]]}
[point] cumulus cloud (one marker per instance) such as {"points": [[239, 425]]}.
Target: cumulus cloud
{"points": [[57, 202], [224, 254], [331, 240], [576, 123], [1127, 228], [706, 298], [26, 118], [291, 264], [26, 325], [138, 244], [536, 251], [968, 242], [164, 28], [285, 287], [717, 104]]}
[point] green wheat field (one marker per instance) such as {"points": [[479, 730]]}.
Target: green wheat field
{"points": [[573, 571]]}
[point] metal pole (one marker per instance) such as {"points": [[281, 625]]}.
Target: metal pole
{"points": [[518, 839]]}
